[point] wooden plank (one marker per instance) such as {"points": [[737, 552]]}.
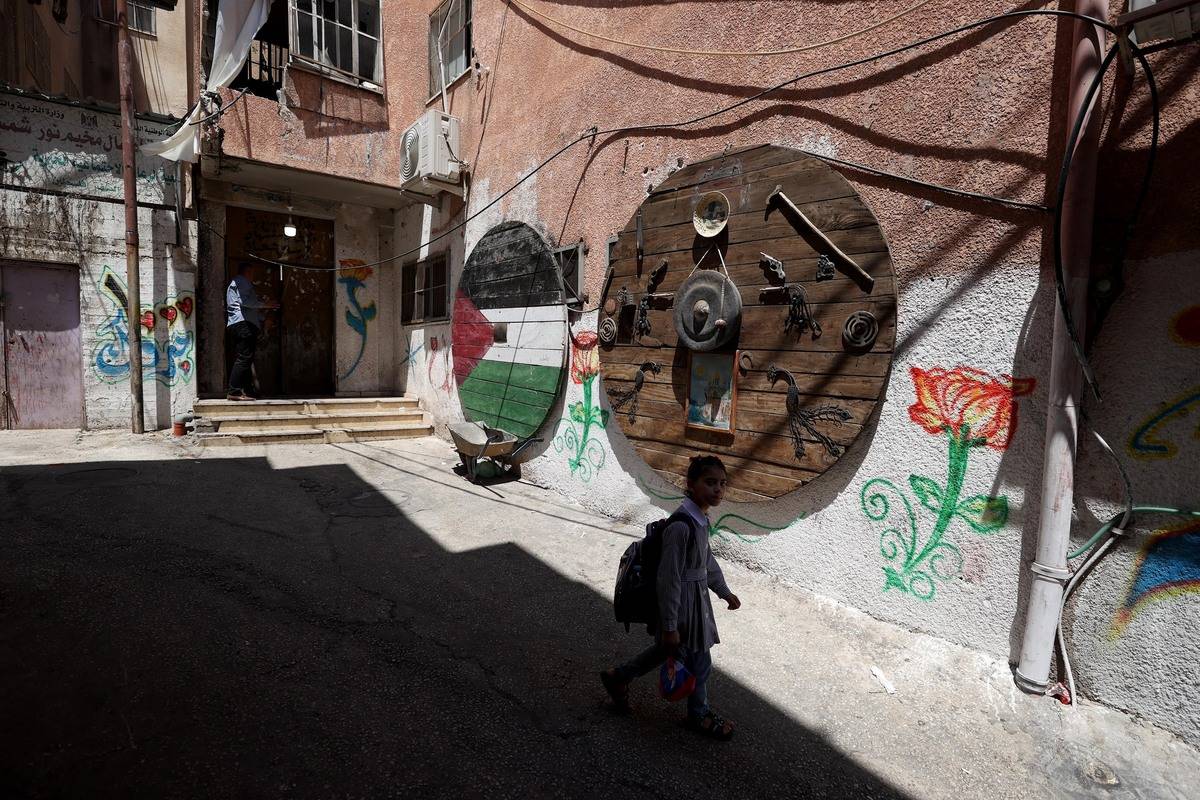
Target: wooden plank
{"points": [[747, 272], [744, 474], [746, 229], [731, 495], [874, 364], [774, 451], [747, 193], [764, 326]]}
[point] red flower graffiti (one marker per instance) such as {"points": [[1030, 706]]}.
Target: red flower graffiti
{"points": [[968, 402], [585, 361]]}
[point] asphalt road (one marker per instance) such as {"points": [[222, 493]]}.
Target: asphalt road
{"points": [[226, 628]]}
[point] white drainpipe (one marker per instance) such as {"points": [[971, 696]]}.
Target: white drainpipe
{"points": [[1049, 570]]}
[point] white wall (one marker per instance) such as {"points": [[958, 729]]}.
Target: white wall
{"points": [[91, 234]]}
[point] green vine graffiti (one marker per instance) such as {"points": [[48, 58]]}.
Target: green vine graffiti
{"points": [[587, 455], [718, 529], [972, 409]]}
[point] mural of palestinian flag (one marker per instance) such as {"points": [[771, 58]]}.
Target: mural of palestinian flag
{"points": [[509, 332]]}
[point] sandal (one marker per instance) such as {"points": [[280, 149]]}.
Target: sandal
{"points": [[618, 690], [717, 727]]}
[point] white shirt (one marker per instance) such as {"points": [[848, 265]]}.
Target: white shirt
{"points": [[241, 303]]}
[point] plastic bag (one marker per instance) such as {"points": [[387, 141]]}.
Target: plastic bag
{"points": [[675, 680]]}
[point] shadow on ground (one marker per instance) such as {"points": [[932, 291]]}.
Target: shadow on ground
{"points": [[222, 628]]}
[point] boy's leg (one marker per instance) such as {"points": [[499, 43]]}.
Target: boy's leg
{"points": [[700, 663], [640, 664]]}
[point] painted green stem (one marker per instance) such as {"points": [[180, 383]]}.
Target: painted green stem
{"points": [[960, 448]]}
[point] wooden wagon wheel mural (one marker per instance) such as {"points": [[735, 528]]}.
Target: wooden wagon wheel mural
{"points": [[509, 331], [762, 285]]}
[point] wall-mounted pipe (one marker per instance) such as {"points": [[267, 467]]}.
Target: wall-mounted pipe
{"points": [[1049, 571]]}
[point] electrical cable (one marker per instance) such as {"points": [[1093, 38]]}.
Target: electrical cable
{"points": [[786, 51], [221, 110], [592, 133]]}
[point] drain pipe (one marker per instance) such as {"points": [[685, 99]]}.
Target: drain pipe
{"points": [[1049, 571]]}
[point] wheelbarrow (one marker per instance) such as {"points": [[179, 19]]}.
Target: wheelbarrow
{"points": [[475, 441]]}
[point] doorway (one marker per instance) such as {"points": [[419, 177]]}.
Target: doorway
{"points": [[41, 367], [295, 351]]}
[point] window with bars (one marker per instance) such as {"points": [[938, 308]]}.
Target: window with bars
{"points": [[342, 35], [449, 43], [141, 15], [424, 291]]}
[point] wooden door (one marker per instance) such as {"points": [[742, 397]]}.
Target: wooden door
{"points": [[41, 372], [296, 350]]}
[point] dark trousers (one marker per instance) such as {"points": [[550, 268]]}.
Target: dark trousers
{"points": [[245, 343], [700, 663]]}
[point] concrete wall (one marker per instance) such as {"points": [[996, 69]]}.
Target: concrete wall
{"points": [[91, 234], [977, 112]]}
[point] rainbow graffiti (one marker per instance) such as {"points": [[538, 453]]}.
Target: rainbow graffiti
{"points": [[1168, 566]]}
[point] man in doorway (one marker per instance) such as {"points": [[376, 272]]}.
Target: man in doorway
{"points": [[243, 321]]}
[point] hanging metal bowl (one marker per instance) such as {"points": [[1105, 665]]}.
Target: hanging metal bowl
{"points": [[708, 310], [711, 214]]}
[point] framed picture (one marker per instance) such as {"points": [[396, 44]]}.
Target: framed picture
{"points": [[712, 391]]}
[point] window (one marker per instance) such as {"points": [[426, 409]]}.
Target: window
{"points": [[8, 42], [450, 27], [262, 75], [424, 290], [570, 266], [37, 51], [141, 14], [342, 35]]}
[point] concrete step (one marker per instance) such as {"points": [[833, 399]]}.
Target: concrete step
{"points": [[216, 409], [322, 421], [311, 435]]}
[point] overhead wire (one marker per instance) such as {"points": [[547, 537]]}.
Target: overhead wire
{"points": [[739, 53], [591, 134]]}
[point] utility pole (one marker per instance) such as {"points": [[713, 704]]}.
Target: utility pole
{"points": [[133, 281]]}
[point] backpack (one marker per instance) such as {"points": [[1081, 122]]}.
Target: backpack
{"points": [[635, 599]]}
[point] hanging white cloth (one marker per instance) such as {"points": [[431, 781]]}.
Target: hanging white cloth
{"points": [[238, 22]]}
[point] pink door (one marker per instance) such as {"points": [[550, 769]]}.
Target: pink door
{"points": [[41, 373]]}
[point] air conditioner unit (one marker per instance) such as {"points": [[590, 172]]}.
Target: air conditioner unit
{"points": [[430, 164], [1162, 19]]}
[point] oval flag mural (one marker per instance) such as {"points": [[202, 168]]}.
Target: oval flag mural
{"points": [[509, 331]]}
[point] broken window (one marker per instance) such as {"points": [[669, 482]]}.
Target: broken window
{"points": [[449, 43], [342, 35]]}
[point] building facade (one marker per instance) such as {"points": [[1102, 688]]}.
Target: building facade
{"points": [[62, 248], [900, 471]]}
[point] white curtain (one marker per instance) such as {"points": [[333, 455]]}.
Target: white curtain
{"points": [[238, 22]]}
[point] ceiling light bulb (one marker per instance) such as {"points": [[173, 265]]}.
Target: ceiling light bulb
{"points": [[289, 230]]}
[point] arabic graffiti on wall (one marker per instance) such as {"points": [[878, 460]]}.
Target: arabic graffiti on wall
{"points": [[971, 409], [585, 454], [167, 339], [49, 145], [353, 275], [1168, 566]]}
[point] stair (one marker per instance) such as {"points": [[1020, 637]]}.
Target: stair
{"points": [[335, 419]]}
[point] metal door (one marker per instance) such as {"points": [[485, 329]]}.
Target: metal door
{"points": [[41, 373], [295, 350]]}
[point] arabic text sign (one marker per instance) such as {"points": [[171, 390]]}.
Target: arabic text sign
{"points": [[48, 145]]}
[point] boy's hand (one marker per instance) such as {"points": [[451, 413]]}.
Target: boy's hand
{"points": [[734, 602], [670, 640]]}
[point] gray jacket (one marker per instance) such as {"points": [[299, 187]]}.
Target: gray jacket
{"points": [[685, 574]]}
